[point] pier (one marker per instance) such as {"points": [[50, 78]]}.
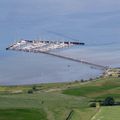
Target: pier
{"points": [[45, 47], [76, 60]]}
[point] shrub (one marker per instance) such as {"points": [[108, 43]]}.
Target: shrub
{"points": [[90, 79], [34, 88], [76, 81], [110, 75], [82, 80], [93, 104], [30, 91], [109, 101]]}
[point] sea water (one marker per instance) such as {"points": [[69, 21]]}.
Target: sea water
{"points": [[95, 23]]}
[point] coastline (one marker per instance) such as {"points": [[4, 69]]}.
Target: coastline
{"points": [[111, 72]]}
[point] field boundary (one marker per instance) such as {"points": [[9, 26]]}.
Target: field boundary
{"points": [[93, 117], [70, 115]]}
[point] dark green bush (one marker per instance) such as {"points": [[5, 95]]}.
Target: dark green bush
{"points": [[30, 91], [34, 88], [109, 101], [93, 105]]}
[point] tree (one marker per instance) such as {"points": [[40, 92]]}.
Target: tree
{"points": [[109, 101], [34, 88], [30, 91]]}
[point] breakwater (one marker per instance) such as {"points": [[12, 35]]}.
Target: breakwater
{"points": [[46, 46]]}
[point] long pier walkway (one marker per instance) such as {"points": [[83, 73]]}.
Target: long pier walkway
{"points": [[77, 60], [65, 57]]}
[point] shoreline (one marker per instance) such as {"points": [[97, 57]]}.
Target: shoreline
{"points": [[106, 73]]}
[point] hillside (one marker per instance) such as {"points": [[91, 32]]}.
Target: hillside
{"points": [[55, 101]]}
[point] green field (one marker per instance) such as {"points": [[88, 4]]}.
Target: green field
{"points": [[56, 106], [97, 89], [22, 114], [55, 101], [108, 113]]}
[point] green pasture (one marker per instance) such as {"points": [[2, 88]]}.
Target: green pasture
{"points": [[108, 113], [97, 89], [22, 114], [55, 101]]}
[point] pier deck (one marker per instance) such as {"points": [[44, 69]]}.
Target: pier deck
{"points": [[45, 46], [77, 60]]}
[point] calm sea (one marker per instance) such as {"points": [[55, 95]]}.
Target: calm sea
{"points": [[95, 23]]}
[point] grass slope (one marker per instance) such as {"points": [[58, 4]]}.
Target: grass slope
{"points": [[55, 101], [79, 114], [56, 106], [22, 114], [97, 89], [108, 113]]}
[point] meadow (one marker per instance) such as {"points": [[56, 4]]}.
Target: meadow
{"points": [[55, 101], [105, 114]]}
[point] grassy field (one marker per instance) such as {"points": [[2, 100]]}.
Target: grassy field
{"points": [[83, 114], [97, 89], [108, 113], [22, 114], [55, 101], [56, 106]]}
